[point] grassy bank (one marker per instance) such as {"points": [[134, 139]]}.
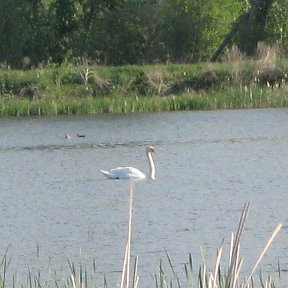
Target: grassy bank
{"points": [[88, 89]]}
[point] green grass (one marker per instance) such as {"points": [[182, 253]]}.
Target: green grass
{"points": [[256, 98], [90, 90]]}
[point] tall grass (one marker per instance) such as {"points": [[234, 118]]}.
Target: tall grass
{"points": [[84, 89], [216, 277], [125, 278], [221, 275], [230, 99], [206, 278]]}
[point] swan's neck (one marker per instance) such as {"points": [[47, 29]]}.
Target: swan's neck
{"points": [[151, 165]]}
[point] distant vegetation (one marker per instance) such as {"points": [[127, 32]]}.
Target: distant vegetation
{"points": [[87, 57], [121, 32], [86, 89]]}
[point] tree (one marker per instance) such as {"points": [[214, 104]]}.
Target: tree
{"points": [[182, 30], [117, 34], [13, 31], [262, 21], [196, 28], [277, 25], [252, 27], [64, 23], [121, 32], [40, 36]]}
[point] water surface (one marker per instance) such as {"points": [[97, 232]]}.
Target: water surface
{"points": [[208, 164]]}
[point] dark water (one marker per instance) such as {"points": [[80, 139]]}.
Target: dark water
{"points": [[208, 164]]}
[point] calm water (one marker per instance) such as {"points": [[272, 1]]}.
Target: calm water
{"points": [[209, 164]]}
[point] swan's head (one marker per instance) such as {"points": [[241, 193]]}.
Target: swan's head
{"points": [[150, 149]]}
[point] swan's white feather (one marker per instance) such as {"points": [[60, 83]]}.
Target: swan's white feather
{"points": [[123, 173], [131, 172]]}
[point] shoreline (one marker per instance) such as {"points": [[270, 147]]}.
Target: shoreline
{"points": [[174, 87]]}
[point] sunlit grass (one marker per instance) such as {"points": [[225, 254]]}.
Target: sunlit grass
{"points": [[84, 90], [231, 99]]}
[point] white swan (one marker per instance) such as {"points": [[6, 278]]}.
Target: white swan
{"points": [[131, 172]]}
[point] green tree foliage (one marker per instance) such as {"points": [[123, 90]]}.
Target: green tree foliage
{"points": [[183, 30], [117, 32], [39, 36], [115, 35], [64, 26], [13, 31], [252, 27], [277, 25], [158, 31]]}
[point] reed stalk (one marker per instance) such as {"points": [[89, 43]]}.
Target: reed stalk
{"points": [[125, 277], [214, 278], [273, 235], [206, 278], [235, 262], [235, 250]]}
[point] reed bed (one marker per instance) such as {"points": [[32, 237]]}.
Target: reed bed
{"points": [[221, 275], [123, 104], [84, 89]]}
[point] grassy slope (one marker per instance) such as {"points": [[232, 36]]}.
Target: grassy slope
{"points": [[90, 90]]}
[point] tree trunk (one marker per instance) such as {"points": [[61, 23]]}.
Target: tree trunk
{"points": [[250, 27], [253, 25]]}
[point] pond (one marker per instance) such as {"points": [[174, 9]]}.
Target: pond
{"points": [[56, 206]]}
